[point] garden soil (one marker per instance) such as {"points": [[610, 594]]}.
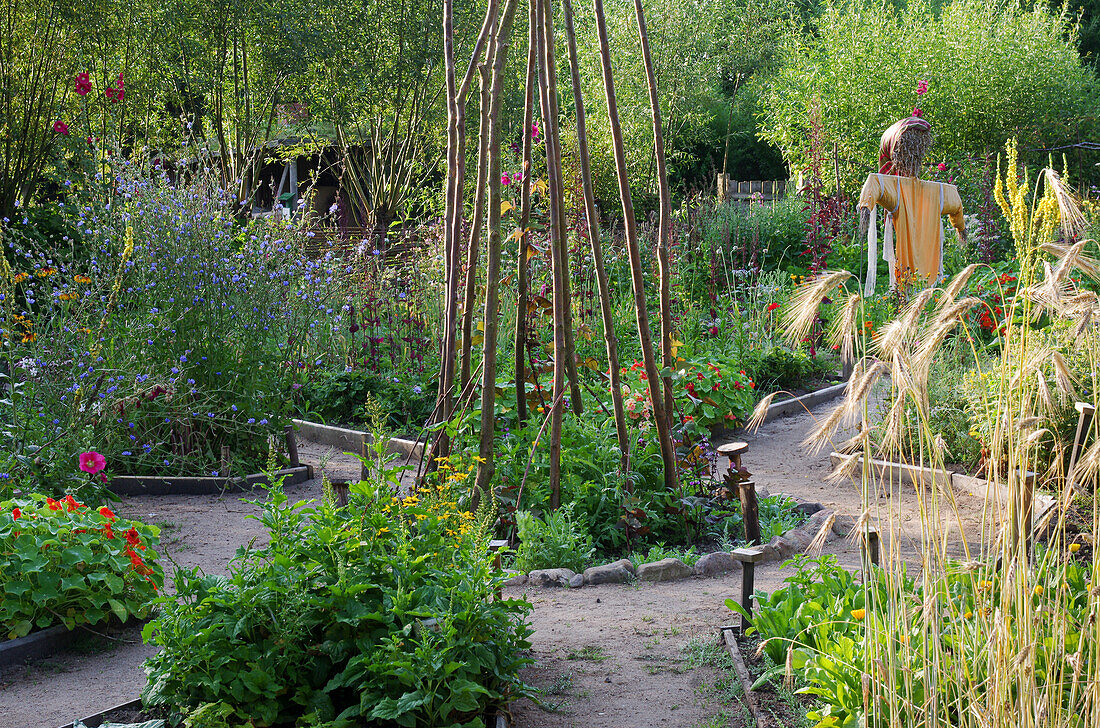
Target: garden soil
{"points": [[613, 655]]}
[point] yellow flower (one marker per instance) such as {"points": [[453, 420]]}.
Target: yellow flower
{"points": [[382, 530], [1038, 590], [1074, 548], [968, 615], [81, 279], [859, 614], [985, 585]]}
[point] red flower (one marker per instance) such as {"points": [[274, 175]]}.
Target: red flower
{"points": [[942, 167], [107, 530], [54, 505], [917, 112], [133, 538], [71, 504], [714, 331], [61, 127], [92, 462], [15, 513], [773, 306], [83, 84], [106, 513]]}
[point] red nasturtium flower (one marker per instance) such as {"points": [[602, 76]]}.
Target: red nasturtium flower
{"points": [[772, 306], [15, 513], [107, 531], [71, 503], [61, 127], [92, 462], [106, 513], [53, 505], [133, 538]]}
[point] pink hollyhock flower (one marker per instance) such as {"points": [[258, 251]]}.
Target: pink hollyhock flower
{"points": [[941, 167], [83, 84], [61, 127], [517, 177], [922, 87], [505, 179], [92, 462], [917, 112]]}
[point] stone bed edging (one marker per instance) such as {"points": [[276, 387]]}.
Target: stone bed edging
{"points": [[990, 492], [780, 548]]}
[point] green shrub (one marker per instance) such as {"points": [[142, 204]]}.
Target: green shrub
{"points": [[380, 613], [994, 70], [339, 398], [67, 563], [557, 541]]}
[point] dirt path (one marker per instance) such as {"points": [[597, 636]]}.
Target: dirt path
{"points": [[615, 656]]}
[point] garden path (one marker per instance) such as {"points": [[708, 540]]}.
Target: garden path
{"points": [[622, 661]]}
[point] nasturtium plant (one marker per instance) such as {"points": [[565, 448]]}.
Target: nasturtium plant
{"points": [[69, 563]]}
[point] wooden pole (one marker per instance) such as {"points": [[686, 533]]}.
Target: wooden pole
{"points": [[645, 338], [557, 235], [750, 511], [487, 442], [592, 215], [664, 234], [520, 340]]}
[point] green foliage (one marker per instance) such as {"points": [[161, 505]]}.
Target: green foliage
{"points": [[558, 540], [659, 551], [381, 612], [66, 563], [994, 70], [340, 397]]}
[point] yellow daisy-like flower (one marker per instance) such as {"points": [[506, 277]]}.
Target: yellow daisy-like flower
{"points": [[1038, 590], [1074, 548], [859, 614]]}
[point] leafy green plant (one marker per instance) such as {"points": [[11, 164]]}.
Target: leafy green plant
{"points": [[339, 398], [68, 563], [380, 612], [557, 540], [659, 551]]}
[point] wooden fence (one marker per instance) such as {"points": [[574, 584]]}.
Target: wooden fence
{"points": [[763, 190]]}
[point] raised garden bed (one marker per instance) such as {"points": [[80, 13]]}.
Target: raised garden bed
{"points": [[47, 642], [354, 441], [132, 711], [154, 485], [993, 493]]}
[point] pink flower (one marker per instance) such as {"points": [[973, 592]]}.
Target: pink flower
{"points": [[61, 127], [83, 84], [535, 131], [92, 462], [917, 112], [941, 167], [922, 87], [505, 179], [517, 177]]}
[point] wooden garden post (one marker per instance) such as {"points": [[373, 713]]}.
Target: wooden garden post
{"points": [[645, 339], [592, 216], [520, 345], [492, 259], [547, 88], [664, 235]]}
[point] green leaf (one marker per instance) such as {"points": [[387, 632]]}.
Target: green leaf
{"points": [[119, 609]]}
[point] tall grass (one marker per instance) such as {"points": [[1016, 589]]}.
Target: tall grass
{"points": [[983, 628]]}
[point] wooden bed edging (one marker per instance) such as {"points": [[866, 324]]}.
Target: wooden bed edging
{"points": [[353, 441], [157, 485]]}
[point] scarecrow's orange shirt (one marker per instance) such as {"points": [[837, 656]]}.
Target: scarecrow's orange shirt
{"points": [[917, 206]]}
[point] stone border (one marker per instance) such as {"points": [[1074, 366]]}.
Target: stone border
{"points": [[354, 441], [155, 485], [96, 720], [780, 548], [987, 490]]}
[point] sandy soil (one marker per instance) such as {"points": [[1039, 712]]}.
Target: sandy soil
{"points": [[607, 656]]}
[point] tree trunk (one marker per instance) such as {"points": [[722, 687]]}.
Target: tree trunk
{"points": [[557, 235], [664, 234], [473, 246], [645, 339], [525, 219], [594, 238], [492, 258]]}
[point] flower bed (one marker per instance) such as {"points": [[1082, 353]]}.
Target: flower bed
{"points": [[67, 563]]}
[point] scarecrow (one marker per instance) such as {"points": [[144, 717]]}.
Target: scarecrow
{"points": [[914, 208]]}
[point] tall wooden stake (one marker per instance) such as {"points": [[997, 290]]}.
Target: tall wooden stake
{"points": [[522, 284], [487, 441], [664, 235], [645, 339], [592, 216], [547, 89]]}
